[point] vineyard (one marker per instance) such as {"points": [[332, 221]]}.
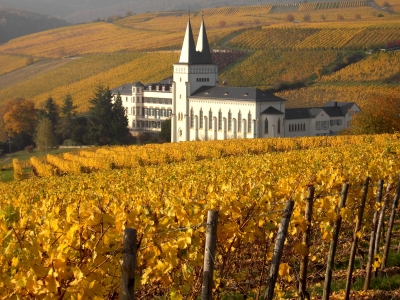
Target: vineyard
{"points": [[376, 67], [316, 38], [9, 63], [62, 234], [264, 68], [318, 95], [90, 38], [81, 77]]}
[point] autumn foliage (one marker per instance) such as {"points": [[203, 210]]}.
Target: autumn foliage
{"points": [[379, 115]]}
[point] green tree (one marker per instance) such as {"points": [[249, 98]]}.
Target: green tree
{"points": [[45, 138], [165, 133], [101, 117], [50, 111], [119, 126], [68, 115]]}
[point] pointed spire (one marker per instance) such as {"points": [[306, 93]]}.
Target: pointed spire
{"points": [[202, 44], [188, 53]]}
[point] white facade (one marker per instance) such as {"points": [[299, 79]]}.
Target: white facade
{"points": [[199, 109]]}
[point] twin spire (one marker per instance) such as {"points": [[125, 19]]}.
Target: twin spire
{"points": [[200, 54]]}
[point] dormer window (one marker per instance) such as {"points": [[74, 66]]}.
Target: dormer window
{"points": [[163, 88], [149, 87], [157, 88], [226, 93], [246, 94], [207, 92]]}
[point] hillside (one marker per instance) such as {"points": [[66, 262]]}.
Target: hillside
{"points": [[15, 23], [88, 10], [277, 52]]}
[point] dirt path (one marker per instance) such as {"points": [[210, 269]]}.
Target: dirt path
{"points": [[33, 70]]}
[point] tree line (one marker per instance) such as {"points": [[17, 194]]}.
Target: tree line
{"points": [[23, 125]]}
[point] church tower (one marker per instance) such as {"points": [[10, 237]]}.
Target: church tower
{"points": [[194, 70]]}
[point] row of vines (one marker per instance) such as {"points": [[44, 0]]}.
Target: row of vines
{"points": [[61, 236]]}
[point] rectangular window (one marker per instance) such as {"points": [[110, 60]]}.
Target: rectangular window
{"points": [[333, 122], [201, 119], [147, 99], [146, 113], [154, 100], [249, 123], [229, 121], [169, 113], [126, 99], [146, 124], [220, 120], [239, 122], [318, 125], [191, 118], [210, 120], [339, 122], [133, 111], [326, 125], [126, 111]]}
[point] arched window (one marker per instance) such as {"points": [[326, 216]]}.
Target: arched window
{"points": [[220, 120], [201, 118], [210, 120], [249, 122], [229, 121], [279, 126], [266, 125], [239, 122], [192, 118]]}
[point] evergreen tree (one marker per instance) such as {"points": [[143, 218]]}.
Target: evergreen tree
{"points": [[68, 113], [119, 127], [45, 138], [165, 133], [50, 111], [101, 117]]}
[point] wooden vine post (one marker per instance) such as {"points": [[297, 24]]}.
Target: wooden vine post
{"points": [[355, 238], [381, 218], [306, 240], [373, 238], [390, 226], [332, 249], [209, 255], [128, 264], [278, 250]]}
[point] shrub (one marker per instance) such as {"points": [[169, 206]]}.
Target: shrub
{"points": [[289, 18], [307, 18], [29, 149]]}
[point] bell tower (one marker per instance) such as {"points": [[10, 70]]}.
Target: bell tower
{"points": [[194, 70]]}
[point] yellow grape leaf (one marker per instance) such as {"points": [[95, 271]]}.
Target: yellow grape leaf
{"points": [[284, 269], [40, 271], [345, 213], [15, 261], [327, 235], [176, 296], [51, 284], [3, 225], [108, 220], [301, 249], [331, 215]]}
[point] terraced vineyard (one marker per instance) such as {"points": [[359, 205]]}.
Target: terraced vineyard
{"points": [[264, 68], [9, 63], [319, 95], [81, 76], [316, 38], [379, 66]]}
